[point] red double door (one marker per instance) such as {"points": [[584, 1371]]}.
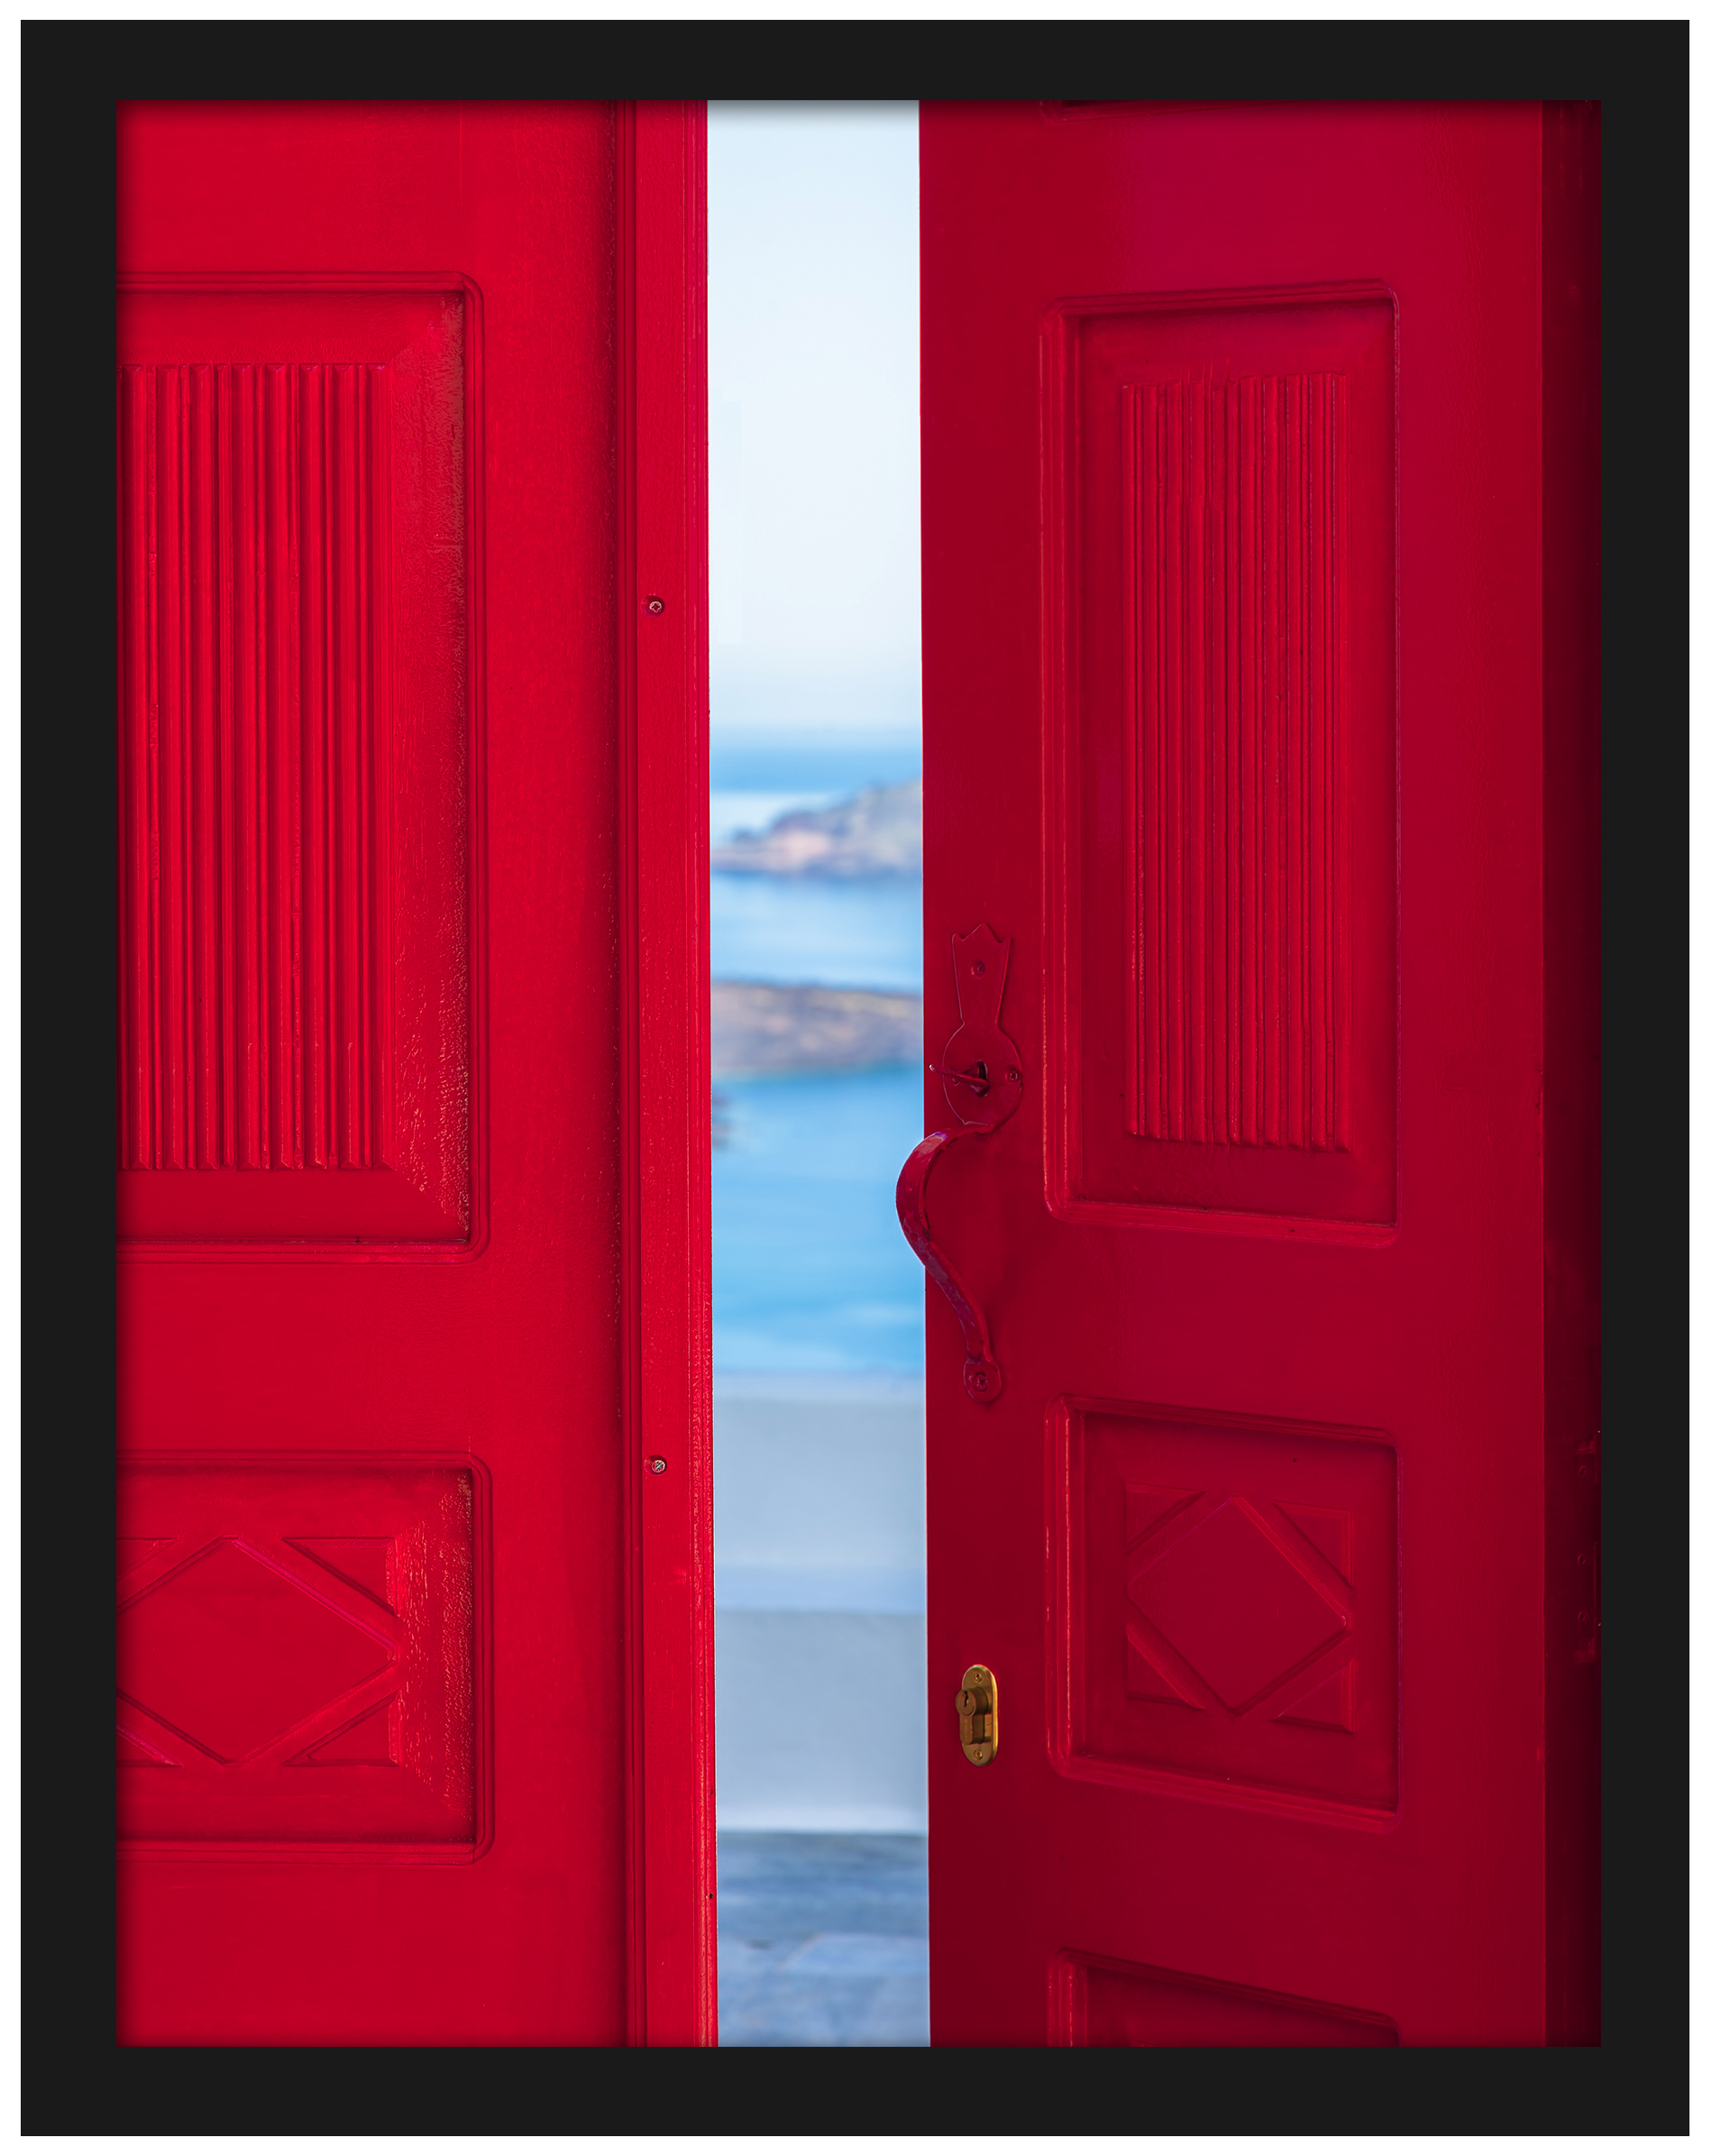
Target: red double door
{"points": [[1259, 732]]}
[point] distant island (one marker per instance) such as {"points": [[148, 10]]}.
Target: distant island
{"points": [[761, 1029], [876, 832]]}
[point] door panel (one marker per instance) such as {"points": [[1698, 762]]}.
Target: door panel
{"points": [[1105, 2003], [299, 552], [1224, 578], [328, 1690], [1208, 1622], [1236, 723], [388, 1578]]}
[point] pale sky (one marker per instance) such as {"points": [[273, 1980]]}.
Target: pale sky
{"points": [[813, 422]]}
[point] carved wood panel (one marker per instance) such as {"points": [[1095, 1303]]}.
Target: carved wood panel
{"points": [[296, 705], [301, 1653], [1236, 523], [1100, 2002], [1221, 731], [255, 539], [1226, 1608]]}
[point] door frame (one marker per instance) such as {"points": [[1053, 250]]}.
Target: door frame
{"points": [[666, 1189]]}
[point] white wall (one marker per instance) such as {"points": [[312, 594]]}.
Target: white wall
{"points": [[820, 1593]]}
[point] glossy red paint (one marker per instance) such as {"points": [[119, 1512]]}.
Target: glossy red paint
{"points": [[416, 1733], [1260, 513]]}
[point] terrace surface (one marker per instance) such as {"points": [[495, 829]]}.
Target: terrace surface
{"points": [[823, 1940]]}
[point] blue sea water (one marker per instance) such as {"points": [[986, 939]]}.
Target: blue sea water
{"points": [[830, 764], [810, 1270], [863, 934]]}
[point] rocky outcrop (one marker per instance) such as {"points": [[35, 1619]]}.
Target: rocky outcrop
{"points": [[760, 1027], [878, 832]]}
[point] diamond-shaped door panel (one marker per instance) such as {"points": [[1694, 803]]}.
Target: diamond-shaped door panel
{"points": [[231, 1653], [290, 1612], [1227, 1607], [1236, 1608]]}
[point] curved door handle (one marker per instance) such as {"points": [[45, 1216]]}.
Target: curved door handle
{"points": [[982, 1073], [982, 1378]]}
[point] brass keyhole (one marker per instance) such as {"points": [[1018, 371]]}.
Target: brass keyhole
{"points": [[978, 1714]]}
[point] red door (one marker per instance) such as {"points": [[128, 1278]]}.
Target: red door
{"points": [[1258, 600], [414, 1737]]}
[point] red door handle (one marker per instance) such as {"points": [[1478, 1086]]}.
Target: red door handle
{"points": [[984, 1067], [982, 1378]]}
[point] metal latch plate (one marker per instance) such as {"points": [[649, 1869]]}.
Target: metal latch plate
{"points": [[978, 1714]]}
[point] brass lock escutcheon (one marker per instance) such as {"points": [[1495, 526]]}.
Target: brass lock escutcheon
{"points": [[978, 1714]]}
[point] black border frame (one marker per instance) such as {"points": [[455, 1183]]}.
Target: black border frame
{"points": [[76, 2079]]}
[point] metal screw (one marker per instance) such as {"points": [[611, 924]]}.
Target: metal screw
{"points": [[980, 965], [656, 606], [657, 1467], [1013, 1077]]}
